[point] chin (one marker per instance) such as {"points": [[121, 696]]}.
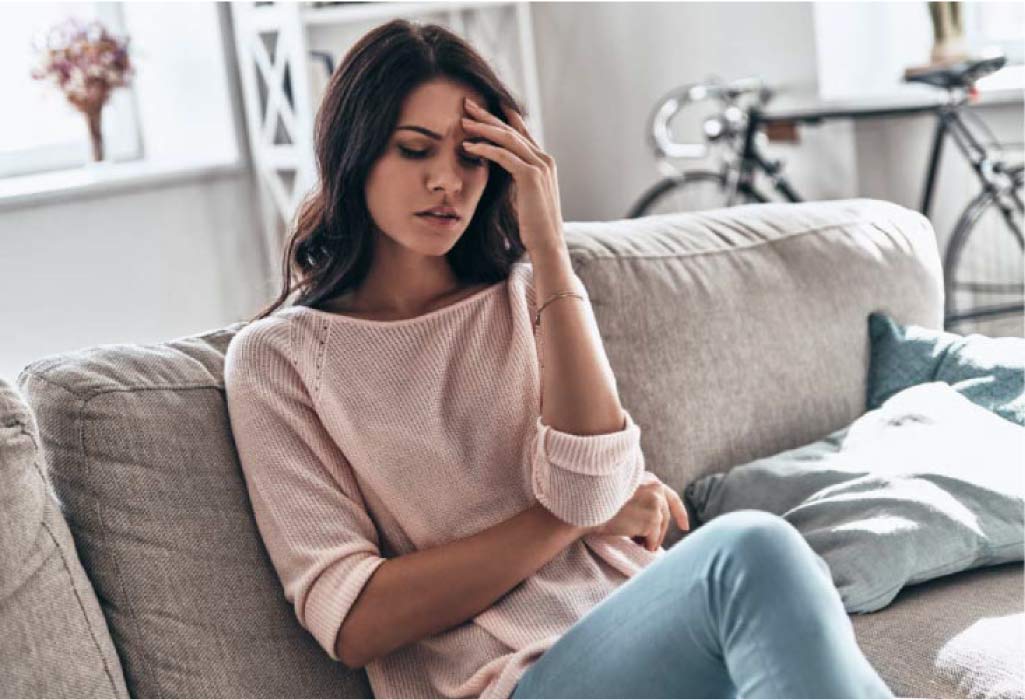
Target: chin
{"points": [[436, 239], [436, 248]]}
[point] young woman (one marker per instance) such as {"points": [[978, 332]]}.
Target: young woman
{"points": [[431, 435]]}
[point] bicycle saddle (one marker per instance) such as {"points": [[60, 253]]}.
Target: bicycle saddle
{"points": [[961, 74]]}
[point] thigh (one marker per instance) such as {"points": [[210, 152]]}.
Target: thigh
{"points": [[651, 637], [740, 607]]}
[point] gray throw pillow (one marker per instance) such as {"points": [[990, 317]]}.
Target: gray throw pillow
{"points": [[989, 372], [927, 485]]}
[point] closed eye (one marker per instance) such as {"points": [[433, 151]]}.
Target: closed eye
{"points": [[409, 153]]}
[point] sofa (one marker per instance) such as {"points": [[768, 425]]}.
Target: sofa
{"points": [[133, 566]]}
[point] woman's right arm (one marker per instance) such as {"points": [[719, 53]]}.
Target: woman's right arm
{"points": [[426, 592]]}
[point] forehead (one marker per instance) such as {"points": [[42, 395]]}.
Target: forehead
{"points": [[437, 104]]}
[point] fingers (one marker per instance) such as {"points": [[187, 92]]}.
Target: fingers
{"points": [[487, 124], [671, 506], [656, 505], [502, 156], [650, 477], [659, 525], [520, 125], [679, 511], [504, 137], [657, 533], [666, 518], [651, 540]]}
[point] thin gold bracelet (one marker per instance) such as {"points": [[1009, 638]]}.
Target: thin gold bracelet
{"points": [[537, 324], [557, 295]]}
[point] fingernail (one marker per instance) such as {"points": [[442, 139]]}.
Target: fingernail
{"points": [[472, 103]]}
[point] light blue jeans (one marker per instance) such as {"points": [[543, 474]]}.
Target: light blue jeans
{"points": [[741, 607]]}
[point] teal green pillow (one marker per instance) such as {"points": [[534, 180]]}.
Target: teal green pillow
{"points": [[987, 371]]}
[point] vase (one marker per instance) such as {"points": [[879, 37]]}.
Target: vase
{"points": [[94, 120]]}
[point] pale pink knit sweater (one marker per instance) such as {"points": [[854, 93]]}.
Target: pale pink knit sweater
{"points": [[362, 440]]}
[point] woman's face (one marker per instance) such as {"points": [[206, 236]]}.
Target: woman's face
{"points": [[418, 171]]}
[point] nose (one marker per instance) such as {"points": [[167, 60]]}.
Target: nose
{"points": [[445, 175]]}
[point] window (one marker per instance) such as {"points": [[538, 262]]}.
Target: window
{"points": [[996, 24], [41, 130], [177, 120], [863, 48]]}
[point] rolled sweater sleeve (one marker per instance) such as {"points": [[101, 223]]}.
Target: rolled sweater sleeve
{"points": [[307, 504], [585, 479]]}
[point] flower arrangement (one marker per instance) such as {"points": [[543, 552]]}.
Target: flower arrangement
{"points": [[87, 63]]}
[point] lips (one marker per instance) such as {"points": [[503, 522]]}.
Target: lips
{"points": [[443, 213]]}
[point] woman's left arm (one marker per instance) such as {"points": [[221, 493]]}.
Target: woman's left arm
{"points": [[577, 383], [586, 457]]}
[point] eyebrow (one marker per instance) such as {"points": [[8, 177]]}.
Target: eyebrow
{"points": [[438, 137], [422, 130]]}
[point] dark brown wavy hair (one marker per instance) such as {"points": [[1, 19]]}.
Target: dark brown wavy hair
{"points": [[330, 246]]}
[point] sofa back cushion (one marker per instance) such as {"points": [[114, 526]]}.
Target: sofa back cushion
{"points": [[733, 334], [141, 453], [53, 638]]}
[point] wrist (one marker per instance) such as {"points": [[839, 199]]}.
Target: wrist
{"points": [[549, 254], [569, 529], [553, 272], [584, 531]]}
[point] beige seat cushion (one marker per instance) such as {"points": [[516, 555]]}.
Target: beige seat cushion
{"points": [[53, 638], [959, 636]]}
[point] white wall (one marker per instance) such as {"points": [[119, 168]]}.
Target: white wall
{"points": [[603, 66], [847, 67], [141, 266], [893, 156]]}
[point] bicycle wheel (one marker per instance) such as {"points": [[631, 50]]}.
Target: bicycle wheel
{"points": [[984, 266], [693, 190]]}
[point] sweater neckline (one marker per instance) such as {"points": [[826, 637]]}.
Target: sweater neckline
{"points": [[433, 314]]}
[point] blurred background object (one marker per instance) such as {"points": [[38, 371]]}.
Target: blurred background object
{"points": [[983, 259], [949, 45], [87, 63]]}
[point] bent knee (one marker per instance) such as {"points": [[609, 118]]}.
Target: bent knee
{"points": [[752, 533]]}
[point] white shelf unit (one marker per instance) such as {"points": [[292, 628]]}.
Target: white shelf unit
{"points": [[273, 43]]}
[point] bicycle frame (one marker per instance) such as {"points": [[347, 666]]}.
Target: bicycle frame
{"points": [[948, 122], [741, 131]]}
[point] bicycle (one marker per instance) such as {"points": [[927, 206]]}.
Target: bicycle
{"points": [[981, 284]]}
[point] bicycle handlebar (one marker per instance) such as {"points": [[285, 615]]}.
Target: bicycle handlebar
{"points": [[668, 106], [732, 119]]}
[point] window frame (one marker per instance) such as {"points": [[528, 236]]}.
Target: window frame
{"points": [[1013, 47]]}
